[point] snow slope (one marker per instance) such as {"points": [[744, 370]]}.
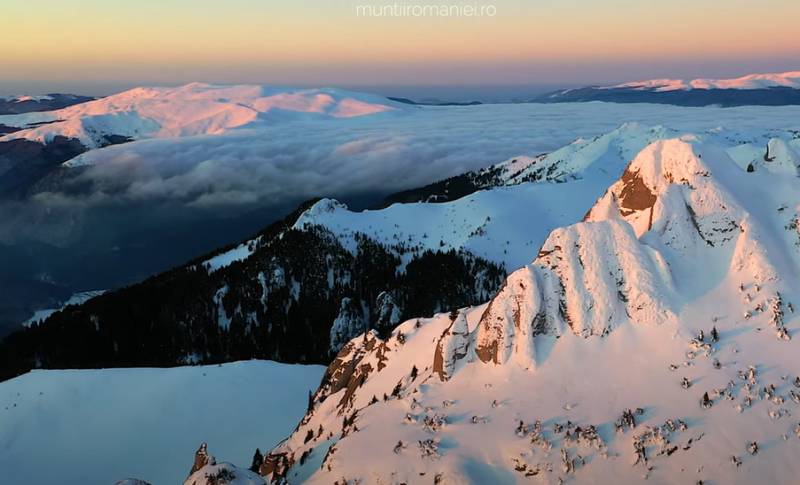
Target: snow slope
{"points": [[790, 79], [674, 299], [193, 109], [99, 426]]}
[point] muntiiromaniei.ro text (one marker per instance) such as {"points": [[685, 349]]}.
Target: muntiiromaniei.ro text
{"points": [[401, 9]]}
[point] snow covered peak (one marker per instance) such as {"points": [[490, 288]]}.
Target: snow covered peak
{"points": [[193, 109], [674, 298], [606, 153], [790, 79]]}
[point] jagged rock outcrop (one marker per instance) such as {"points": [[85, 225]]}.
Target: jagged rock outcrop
{"points": [[202, 458], [350, 321], [387, 311], [453, 346], [206, 471], [588, 279]]}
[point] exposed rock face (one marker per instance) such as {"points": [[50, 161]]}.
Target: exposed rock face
{"points": [[588, 279], [202, 458], [453, 345], [349, 322], [224, 474], [388, 313], [206, 471], [636, 196], [779, 158], [669, 187], [352, 366]]}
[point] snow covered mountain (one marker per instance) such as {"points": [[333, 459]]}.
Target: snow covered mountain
{"points": [[789, 79], [190, 110], [10, 105], [773, 89], [652, 340]]}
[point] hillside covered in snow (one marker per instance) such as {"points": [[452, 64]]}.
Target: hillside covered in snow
{"points": [[100, 426], [653, 340]]}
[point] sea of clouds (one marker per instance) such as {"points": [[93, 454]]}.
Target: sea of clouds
{"points": [[380, 153], [280, 164]]}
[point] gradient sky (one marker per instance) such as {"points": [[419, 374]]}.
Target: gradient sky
{"points": [[313, 42]]}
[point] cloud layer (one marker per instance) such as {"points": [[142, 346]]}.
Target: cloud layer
{"points": [[285, 163]]}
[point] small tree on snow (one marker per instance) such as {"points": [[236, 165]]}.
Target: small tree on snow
{"points": [[258, 460]]}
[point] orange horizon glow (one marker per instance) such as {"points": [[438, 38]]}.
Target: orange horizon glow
{"points": [[90, 38]]}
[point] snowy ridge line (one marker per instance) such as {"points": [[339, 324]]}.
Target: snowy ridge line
{"points": [[23, 98], [75, 299], [190, 110], [789, 79]]}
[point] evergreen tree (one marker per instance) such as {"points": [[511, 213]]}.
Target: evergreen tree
{"points": [[258, 460]]}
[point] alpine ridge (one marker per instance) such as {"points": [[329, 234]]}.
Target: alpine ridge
{"points": [[763, 89]]}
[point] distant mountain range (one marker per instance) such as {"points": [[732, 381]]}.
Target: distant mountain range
{"points": [[10, 105], [755, 89]]}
